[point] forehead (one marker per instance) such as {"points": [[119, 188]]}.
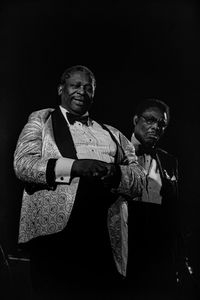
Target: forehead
{"points": [[155, 112], [79, 76]]}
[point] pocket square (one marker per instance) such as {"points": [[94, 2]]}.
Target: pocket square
{"points": [[173, 178]]}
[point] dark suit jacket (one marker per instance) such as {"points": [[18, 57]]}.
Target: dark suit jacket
{"points": [[152, 226]]}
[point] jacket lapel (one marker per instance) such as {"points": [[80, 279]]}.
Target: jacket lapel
{"points": [[119, 152], [160, 166], [64, 139], [62, 135]]}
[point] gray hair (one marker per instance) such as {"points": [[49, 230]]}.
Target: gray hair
{"points": [[66, 74]]}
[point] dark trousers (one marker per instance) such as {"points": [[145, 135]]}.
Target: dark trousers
{"points": [[151, 268], [78, 261]]}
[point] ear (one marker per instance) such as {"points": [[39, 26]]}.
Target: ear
{"points": [[60, 89], [135, 120], [93, 91]]}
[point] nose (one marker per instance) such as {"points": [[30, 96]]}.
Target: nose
{"points": [[156, 126], [81, 89]]}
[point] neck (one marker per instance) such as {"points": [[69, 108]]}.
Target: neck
{"points": [[74, 113]]}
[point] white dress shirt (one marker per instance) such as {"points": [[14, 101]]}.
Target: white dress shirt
{"points": [[91, 142], [154, 183]]}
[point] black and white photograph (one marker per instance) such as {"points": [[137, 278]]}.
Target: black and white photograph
{"points": [[100, 120]]}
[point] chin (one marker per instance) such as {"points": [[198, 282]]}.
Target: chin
{"points": [[79, 111]]}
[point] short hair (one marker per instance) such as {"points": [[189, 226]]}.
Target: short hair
{"points": [[152, 102], [66, 74]]}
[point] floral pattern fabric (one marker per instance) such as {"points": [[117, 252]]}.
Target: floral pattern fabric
{"points": [[46, 210]]}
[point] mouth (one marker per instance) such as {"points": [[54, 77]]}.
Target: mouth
{"points": [[153, 136], [79, 98], [79, 101]]}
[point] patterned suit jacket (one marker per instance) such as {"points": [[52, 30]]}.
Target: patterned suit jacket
{"points": [[46, 207]]}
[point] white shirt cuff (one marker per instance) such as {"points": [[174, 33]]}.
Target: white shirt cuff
{"points": [[63, 169]]}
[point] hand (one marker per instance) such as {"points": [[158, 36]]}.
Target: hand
{"points": [[89, 168], [109, 174], [112, 178]]}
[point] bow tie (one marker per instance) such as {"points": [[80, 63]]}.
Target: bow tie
{"points": [[141, 150], [73, 118]]}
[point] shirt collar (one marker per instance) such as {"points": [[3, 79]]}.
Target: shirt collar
{"points": [[64, 111]]}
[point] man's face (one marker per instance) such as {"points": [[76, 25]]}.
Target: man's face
{"points": [[77, 93], [150, 126]]}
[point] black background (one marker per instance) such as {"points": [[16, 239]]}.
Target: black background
{"points": [[148, 49]]}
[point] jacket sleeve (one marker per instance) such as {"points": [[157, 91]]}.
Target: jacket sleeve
{"points": [[133, 176], [29, 164]]}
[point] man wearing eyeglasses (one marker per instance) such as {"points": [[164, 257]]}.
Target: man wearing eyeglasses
{"points": [[152, 221]]}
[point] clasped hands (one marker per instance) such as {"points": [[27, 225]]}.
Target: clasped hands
{"points": [[108, 173]]}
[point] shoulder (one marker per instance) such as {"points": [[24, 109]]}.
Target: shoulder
{"points": [[42, 114], [166, 155]]}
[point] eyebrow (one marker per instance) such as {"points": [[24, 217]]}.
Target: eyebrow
{"points": [[75, 82]]}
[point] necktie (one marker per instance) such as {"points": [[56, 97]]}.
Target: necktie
{"points": [[73, 118]]}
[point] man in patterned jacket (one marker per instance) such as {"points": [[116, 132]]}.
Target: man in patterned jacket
{"points": [[78, 175]]}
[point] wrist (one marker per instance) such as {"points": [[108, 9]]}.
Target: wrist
{"points": [[74, 169]]}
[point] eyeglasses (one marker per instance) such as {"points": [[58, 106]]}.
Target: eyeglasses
{"points": [[152, 121]]}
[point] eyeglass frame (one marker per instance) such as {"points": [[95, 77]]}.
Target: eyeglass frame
{"points": [[160, 122]]}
